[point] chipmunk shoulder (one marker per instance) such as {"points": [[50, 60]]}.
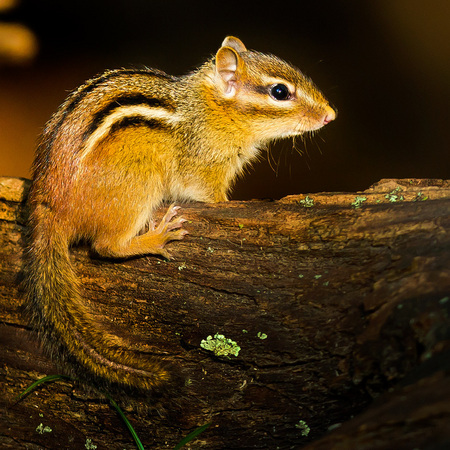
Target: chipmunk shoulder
{"points": [[119, 146]]}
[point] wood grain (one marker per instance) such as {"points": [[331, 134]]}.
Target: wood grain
{"points": [[331, 305]]}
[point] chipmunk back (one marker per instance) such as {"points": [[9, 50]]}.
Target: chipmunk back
{"points": [[119, 146]]}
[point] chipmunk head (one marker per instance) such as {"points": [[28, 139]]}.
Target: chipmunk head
{"points": [[273, 97]]}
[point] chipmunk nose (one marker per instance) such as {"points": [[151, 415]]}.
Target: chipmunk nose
{"points": [[330, 115]]}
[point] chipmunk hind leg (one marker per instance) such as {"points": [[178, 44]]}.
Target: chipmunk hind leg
{"points": [[151, 242]]}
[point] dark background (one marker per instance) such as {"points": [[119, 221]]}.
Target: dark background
{"points": [[384, 64]]}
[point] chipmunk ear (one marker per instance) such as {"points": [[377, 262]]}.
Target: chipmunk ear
{"points": [[229, 68], [234, 42]]}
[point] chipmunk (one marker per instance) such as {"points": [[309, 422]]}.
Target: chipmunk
{"points": [[119, 146]]}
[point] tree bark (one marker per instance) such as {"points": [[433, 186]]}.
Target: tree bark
{"points": [[339, 309]]}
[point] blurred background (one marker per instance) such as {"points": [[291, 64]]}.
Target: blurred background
{"points": [[384, 64]]}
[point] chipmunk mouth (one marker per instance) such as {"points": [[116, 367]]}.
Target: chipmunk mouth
{"points": [[330, 115]]}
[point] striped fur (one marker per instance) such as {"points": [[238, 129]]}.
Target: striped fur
{"points": [[116, 148]]}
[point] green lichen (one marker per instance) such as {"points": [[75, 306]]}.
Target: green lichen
{"points": [[261, 335], [394, 196], [303, 427], [89, 445], [220, 345], [358, 202], [41, 429], [307, 202], [420, 197]]}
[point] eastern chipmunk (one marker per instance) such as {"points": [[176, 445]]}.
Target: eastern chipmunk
{"points": [[117, 147]]}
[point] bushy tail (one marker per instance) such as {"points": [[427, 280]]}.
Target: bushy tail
{"points": [[68, 332]]}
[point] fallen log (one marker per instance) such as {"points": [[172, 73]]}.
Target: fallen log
{"points": [[286, 319]]}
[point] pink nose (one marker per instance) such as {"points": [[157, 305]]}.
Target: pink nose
{"points": [[329, 116]]}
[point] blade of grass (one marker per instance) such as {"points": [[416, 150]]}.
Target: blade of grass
{"points": [[46, 379], [191, 436], [127, 423], [52, 378]]}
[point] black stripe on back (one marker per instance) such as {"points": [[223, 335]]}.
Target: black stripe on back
{"points": [[78, 95], [124, 100], [92, 84], [137, 121]]}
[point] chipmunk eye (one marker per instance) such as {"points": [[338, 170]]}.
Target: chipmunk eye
{"points": [[280, 92]]}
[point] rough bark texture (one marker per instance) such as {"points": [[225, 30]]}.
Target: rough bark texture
{"points": [[339, 311]]}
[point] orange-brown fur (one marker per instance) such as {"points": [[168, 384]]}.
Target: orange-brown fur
{"points": [[120, 145]]}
